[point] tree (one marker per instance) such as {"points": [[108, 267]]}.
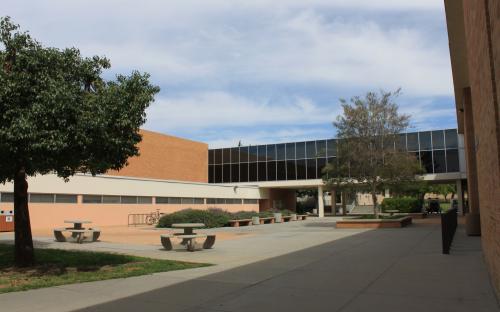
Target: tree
{"points": [[443, 189], [59, 116], [367, 157]]}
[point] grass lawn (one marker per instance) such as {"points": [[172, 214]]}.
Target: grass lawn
{"points": [[57, 267]]}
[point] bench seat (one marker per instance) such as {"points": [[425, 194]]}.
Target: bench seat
{"points": [[240, 222]]}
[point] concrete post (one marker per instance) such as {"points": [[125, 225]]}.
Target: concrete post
{"points": [[321, 202], [334, 201], [460, 197]]}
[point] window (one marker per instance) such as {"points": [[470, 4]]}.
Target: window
{"points": [[199, 201], [262, 152], [439, 161], [144, 200], [301, 169], [129, 200], [211, 156], [280, 152], [187, 201], [226, 173], [220, 201], [66, 199], [290, 170], [226, 156], [290, 150], [311, 168], [321, 148], [235, 173], [109, 199], [425, 140], [271, 152], [311, 149], [262, 171], [412, 141], [252, 153], [331, 148], [92, 199], [426, 161], [235, 155], [437, 139], [174, 200], [281, 170], [162, 200], [218, 174], [250, 201], [271, 171], [218, 156], [244, 172], [452, 164], [41, 198], [7, 197], [252, 172], [401, 142], [300, 150], [244, 154], [451, 138], [211, 201], [169, 200], [321, 165], [211, 176]]}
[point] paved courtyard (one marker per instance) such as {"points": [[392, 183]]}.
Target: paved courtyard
{"points": [[291, 267]]}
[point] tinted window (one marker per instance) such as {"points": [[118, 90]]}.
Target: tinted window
{"points": [[218, 174], [243, 172], [262, 152], [301, 169], [331, 148], [426, 161], [425, 140], [311, 169], [401, 142], [187, 201], [226, 155], [452, 164], [226, 173], [252, 153], [235, 173], [300, 150], [42, 198], [290, 170], [108, 199], [412, 141], [311, 149], [218, 156], [262, 171], [129, 199], [211, 156], [451, 138], [251, 201], [7, 198], [244, 154], [91, 199], [65, 198], [162, 200], [439, 161], [321, 164], [211, 177], [321, 148], [281, 171], [174, 200], [144, 199], [280, 152], [290, 150], [252, 172], [199, 201], [271, 171], [437, 139], [235, 155], [271, 152]]}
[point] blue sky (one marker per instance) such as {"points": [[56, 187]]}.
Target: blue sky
{"points": [[260, 71]]}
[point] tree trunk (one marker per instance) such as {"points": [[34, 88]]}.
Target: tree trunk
{"points": [[374, 198], [24, 253]]}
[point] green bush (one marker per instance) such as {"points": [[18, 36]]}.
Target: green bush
{"points": [[244, 215], [403, 204], [211, 218]]}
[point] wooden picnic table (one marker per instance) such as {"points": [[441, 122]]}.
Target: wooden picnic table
{"points": [[77, 224], [188, 227]]}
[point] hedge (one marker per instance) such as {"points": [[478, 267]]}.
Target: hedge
{"points": [[403, 204], [211, 218]]}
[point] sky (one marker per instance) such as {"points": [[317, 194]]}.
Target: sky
{"points": [[259, 71]]}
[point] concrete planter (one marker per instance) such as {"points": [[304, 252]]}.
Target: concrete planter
{"points": [[255, 220], [373, 223], [278, 217], [293, 217]]}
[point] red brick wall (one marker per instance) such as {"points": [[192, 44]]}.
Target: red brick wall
{"points": [[168, 158], [482, 38]]}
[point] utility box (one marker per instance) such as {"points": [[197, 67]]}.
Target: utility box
{"points": [[6, 220]]}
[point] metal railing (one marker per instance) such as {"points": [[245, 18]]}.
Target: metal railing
{"points": [[144, 218], [448, 228]]}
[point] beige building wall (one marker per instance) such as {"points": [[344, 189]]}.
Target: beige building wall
{"points": [[167, 157]]}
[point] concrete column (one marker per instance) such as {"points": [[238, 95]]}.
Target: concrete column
{"points": [[321, 202], [387, 193], [460, 197]]}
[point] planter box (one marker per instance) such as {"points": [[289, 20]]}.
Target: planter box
{"points": [[373, 223]]}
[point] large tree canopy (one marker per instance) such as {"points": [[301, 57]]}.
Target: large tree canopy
{"points": [[57, 115], [367, 154]]}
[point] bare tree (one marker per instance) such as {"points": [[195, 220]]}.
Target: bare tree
{"points": [[367, 155]]}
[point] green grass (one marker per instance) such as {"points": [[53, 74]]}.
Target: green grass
{"points": [[58, 267]]}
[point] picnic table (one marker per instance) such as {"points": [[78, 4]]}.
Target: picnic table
{"points": [[77, 224], [188, 227]]}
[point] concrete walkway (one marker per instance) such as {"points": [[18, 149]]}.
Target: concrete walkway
{"points": [[379, 270]]}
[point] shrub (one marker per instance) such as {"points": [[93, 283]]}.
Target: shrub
{"points": [[244, 215], [403, 204], [211, 218], [266, 214]]}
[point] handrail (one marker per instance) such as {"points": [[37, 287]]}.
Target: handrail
{"points": [[448, 228]]}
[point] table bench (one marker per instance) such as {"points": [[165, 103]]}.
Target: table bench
{"points": [[301, 217], [237, 223], [77, 234], [286, 218], [266, 220]]}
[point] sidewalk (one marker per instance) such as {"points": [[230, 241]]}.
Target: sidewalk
{"points": [[378, 270]]}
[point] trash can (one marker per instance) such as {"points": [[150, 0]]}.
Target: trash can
{"points": [[6, 220]]}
